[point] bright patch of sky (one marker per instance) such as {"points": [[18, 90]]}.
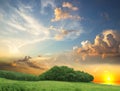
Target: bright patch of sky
{"points": [[33, 27]]}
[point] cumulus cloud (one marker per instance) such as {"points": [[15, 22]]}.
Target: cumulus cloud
{"points": [[69, 5], [106, 44], [61, 14], [104, 50]]}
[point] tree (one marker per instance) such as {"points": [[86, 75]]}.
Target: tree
{"points": [[64, 73]]}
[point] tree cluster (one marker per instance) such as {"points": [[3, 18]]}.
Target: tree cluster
{"points": [[17, 76], [64, 73]]}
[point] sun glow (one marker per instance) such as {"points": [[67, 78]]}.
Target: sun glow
{"points": [[108, 78], [13, 50]]}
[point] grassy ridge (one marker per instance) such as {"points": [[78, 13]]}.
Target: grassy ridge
{"points": [[14, 85]]}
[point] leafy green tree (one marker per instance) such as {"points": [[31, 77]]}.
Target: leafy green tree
{"points": [[64, 73]]}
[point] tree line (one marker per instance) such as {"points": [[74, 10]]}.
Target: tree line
{"points": [[56, 73], [17, 76]]}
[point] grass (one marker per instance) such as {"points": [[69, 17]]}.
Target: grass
{"points": [[14, 85]]}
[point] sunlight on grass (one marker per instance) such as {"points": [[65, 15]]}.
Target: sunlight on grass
{"points": [[14, 85]]}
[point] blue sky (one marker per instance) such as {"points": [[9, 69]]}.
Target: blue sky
{"points": [[33, 27], [83, 34]]}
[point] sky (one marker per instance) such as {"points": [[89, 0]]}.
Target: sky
{"points": [[84, 34]]}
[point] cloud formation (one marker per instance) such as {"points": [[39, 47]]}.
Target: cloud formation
{"points": [[24, 25], [105, 45], [60, 14], [61, 33], [69, 5], [36, 62], [21, 28]]}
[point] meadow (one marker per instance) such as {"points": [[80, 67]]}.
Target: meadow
{"points": [[15, 85]]}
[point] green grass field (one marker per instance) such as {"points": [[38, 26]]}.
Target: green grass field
{"points": [[13, 85]]}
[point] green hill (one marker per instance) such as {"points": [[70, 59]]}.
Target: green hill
{"points": [[14, 85]]}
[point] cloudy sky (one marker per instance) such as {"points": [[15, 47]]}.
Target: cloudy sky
{"points": [[84, 32]]}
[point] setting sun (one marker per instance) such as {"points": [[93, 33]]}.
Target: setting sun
{"points": [[108, 78]]}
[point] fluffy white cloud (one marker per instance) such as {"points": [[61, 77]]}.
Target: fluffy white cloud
{"points": [[69, 5], [105, 44], [61, 14]]}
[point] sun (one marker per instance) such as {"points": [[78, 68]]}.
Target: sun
{"points": [[108, 78]]}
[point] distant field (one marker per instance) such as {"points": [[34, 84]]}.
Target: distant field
{"points": [[13, 85]]}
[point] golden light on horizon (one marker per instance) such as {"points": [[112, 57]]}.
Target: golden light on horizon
{"points": [[108, 78], [13, 64]]}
